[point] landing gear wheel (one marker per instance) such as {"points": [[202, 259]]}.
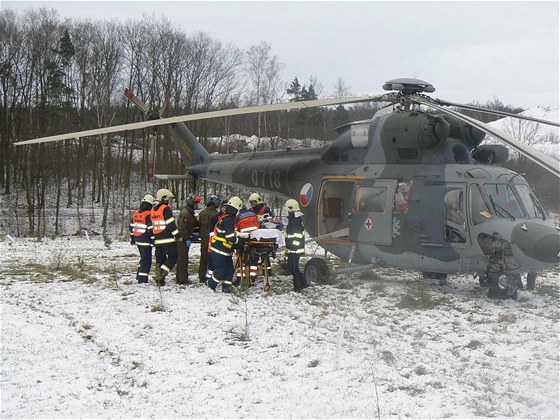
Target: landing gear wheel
{"points": [[316, 271], [531, 280], [503, 286]]}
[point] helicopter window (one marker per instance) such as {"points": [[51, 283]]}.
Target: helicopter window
{"points": [[401, 197], [477, 173], [371, 199], [530, 202], [453, 210], [504, 201], [479, 211]]}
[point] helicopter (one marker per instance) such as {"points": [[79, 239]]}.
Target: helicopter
{"points": [[408, 188]]}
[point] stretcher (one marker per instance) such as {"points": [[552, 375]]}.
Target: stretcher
{"points": [[262, 244]]}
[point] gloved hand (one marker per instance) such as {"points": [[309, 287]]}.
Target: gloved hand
{"points": [[244, 235], [188, 243], [132, 241]]}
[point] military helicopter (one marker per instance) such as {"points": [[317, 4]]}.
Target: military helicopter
{"points": [[408, 189]]}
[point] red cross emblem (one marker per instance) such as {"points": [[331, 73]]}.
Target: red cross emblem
{"points": [[368, 224]]}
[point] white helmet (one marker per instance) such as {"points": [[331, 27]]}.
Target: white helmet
{"points": [[256, 197], [235, 202], [164, 195], [292, 205], [148, 198]]}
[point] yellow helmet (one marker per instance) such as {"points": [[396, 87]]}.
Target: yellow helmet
{"points": [[148, 198], [164, 195], [256, 197], [235, 202], [292, 205]]}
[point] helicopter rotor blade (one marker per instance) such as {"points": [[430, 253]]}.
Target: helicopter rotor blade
{"points": [[128, 93], [204, 115], [165, 105], [545, 161], [495, 112]]}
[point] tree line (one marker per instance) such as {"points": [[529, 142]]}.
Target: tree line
{"points": [[63, 75]]}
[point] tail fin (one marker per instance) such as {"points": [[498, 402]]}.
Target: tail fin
{"points": [[190, 149]]}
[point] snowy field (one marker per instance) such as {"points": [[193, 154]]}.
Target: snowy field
{"points": [[80, 339]]}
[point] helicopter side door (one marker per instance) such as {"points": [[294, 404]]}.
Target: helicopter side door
{"points": [[371, 220], [455, 228]]}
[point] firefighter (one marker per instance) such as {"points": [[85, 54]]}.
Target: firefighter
{"points": [[141, 236], [206, 226], [222, 246], [246, 222], [264, 214], [166, 235], [186, 224], [295, 243]]}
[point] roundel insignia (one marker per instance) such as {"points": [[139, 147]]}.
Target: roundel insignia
{"points": [[306, 194]]}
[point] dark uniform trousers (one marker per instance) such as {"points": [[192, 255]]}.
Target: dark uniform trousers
{"points": [[182, 263], [145, 263], [293, 268], [166, 254], [223, 271], [205, 259]]}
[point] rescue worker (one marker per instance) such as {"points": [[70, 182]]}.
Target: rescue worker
{"points": [[186, 224], [141, 235], [264, 214], [295, 243], [246, 221], [165, 235], [222, 246], [213, 222], [206, 226]]}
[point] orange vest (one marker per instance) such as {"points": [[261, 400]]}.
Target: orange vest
{"points": [[248, 224], [158, 221], [139, 222]]}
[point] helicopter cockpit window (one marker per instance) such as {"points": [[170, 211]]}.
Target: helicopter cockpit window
{"points": [[478, 209], [477, 173], [371, 199], [530, 202], [504, 201], [453, 210]]}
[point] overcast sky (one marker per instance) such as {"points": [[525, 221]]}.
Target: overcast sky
{"points": [[467, 50]]}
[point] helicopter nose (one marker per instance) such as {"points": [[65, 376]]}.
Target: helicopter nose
{"points": [[538, 241]]}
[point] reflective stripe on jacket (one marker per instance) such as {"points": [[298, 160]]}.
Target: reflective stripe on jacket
{"points": [[164, 226], [141, 227], [295, 239], [224, 235]]}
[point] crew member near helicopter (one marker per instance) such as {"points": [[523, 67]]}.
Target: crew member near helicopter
{"points": [[206, 227], [186, 224], [264, 214], [141, 236], [295, 243], [165, 235], [246, 221], [222, 246]]}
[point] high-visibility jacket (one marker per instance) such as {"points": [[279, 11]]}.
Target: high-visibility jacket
{"points": [[224, 235], [163, 223], [246, 221], [141, 227], [295, 239]]}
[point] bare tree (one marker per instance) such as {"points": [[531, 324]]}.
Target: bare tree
{"points": [[263, 74]]}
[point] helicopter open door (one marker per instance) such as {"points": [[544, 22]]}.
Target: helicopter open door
{"points": [[372, 212], [335, 206]]}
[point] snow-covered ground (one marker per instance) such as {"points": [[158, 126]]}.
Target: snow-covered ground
{"points": [[80, 339]]}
